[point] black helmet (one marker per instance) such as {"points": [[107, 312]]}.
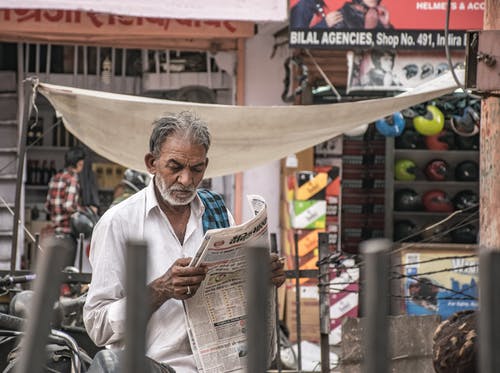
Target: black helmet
{"points": [[426, 71], [435, 233], [467, 171], [135, 179], [405, 230], [465, 234], [83, 221], [411, 70], [410, 139], [465, 199], [467, 142], [407, 200]]}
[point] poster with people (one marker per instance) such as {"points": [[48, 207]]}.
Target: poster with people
{"points": [[388, 70], [439, 282], [409, 24]]}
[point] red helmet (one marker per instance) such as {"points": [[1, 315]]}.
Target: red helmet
{"points": [[437, 170], [437, 201], [444, 140]]}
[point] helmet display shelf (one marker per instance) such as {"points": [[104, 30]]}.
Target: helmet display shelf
{"points": [[426, 179]]}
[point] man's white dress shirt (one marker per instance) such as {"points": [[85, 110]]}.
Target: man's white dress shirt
{"points": [[140, 217]]}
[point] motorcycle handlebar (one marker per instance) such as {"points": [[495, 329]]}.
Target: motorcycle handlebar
{"points": [[11, 280]]}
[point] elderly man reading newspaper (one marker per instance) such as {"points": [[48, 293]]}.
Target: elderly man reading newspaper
{"points": [[172, 215]]}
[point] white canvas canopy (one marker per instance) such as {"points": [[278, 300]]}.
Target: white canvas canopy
{"points": [[118, 126]]}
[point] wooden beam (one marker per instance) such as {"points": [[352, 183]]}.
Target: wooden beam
{"points": [[124, 42], [489, 186]]}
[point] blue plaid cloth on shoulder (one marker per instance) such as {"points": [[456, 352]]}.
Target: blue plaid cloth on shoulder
{"points": [[215, 215]]}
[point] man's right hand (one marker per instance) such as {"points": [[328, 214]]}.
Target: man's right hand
{"points": [[179, 282]]}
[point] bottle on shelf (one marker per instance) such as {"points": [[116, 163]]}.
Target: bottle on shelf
{"points": [[29, 172], [52, 169], [44, 173], [35, 173]]}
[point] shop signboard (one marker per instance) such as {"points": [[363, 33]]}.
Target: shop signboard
{"points": [[439, 281], [94, 28], [385, 24], [389, 70]]}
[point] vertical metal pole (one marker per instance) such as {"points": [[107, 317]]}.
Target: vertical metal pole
{"points": [[123, 85], [81, 244], [49, 277], [37, 59], [297, 302], [489, 306], [98, 69], [23, 122], [26, 59], [324, 301], [75, 66], [48, 61], [167, 62], [113, 61], [275, 250], [209, 70], [34, 256], [157, 64], [258, 278], [137, 308], [85, 67], [375, 255]]}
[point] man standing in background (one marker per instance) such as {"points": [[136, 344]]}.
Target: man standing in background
{"points": [[63, 197]]}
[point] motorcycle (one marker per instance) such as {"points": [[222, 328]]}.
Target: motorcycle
{"points": [[63, 351]]}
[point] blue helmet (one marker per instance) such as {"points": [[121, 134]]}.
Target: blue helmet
{"points": [[391, 126]]}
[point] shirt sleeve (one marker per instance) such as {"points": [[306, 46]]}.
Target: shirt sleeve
{"points": [[104, 309], [70, 205]]}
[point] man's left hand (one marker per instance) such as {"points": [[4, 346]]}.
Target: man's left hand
{"points": [[277, 271]]}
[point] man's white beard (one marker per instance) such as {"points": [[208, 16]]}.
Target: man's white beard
{"points": [[169, 196]]}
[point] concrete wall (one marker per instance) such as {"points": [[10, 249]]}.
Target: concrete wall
{"points": [[410, 344], [263, 86]]}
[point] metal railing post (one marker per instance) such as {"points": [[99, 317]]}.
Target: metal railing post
{"points": [[46, 292], [297, 301], [275, 250], [137, 308], [376, 336], [324, 301], [258, 280]]}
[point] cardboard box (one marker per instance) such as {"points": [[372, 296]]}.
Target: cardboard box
{"points": [[308, 251], [439, 281], [308, 214], [309, 314], [344, 297]]}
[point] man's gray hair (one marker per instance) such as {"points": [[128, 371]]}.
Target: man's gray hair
{"points": [[184, 123]]}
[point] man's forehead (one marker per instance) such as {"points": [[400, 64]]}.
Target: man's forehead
{"points": [[182, 151]]}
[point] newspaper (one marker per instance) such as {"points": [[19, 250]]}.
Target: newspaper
{"points": [[216, 315]]}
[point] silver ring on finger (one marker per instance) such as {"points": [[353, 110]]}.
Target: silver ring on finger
{"points": [[188, 292]]}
